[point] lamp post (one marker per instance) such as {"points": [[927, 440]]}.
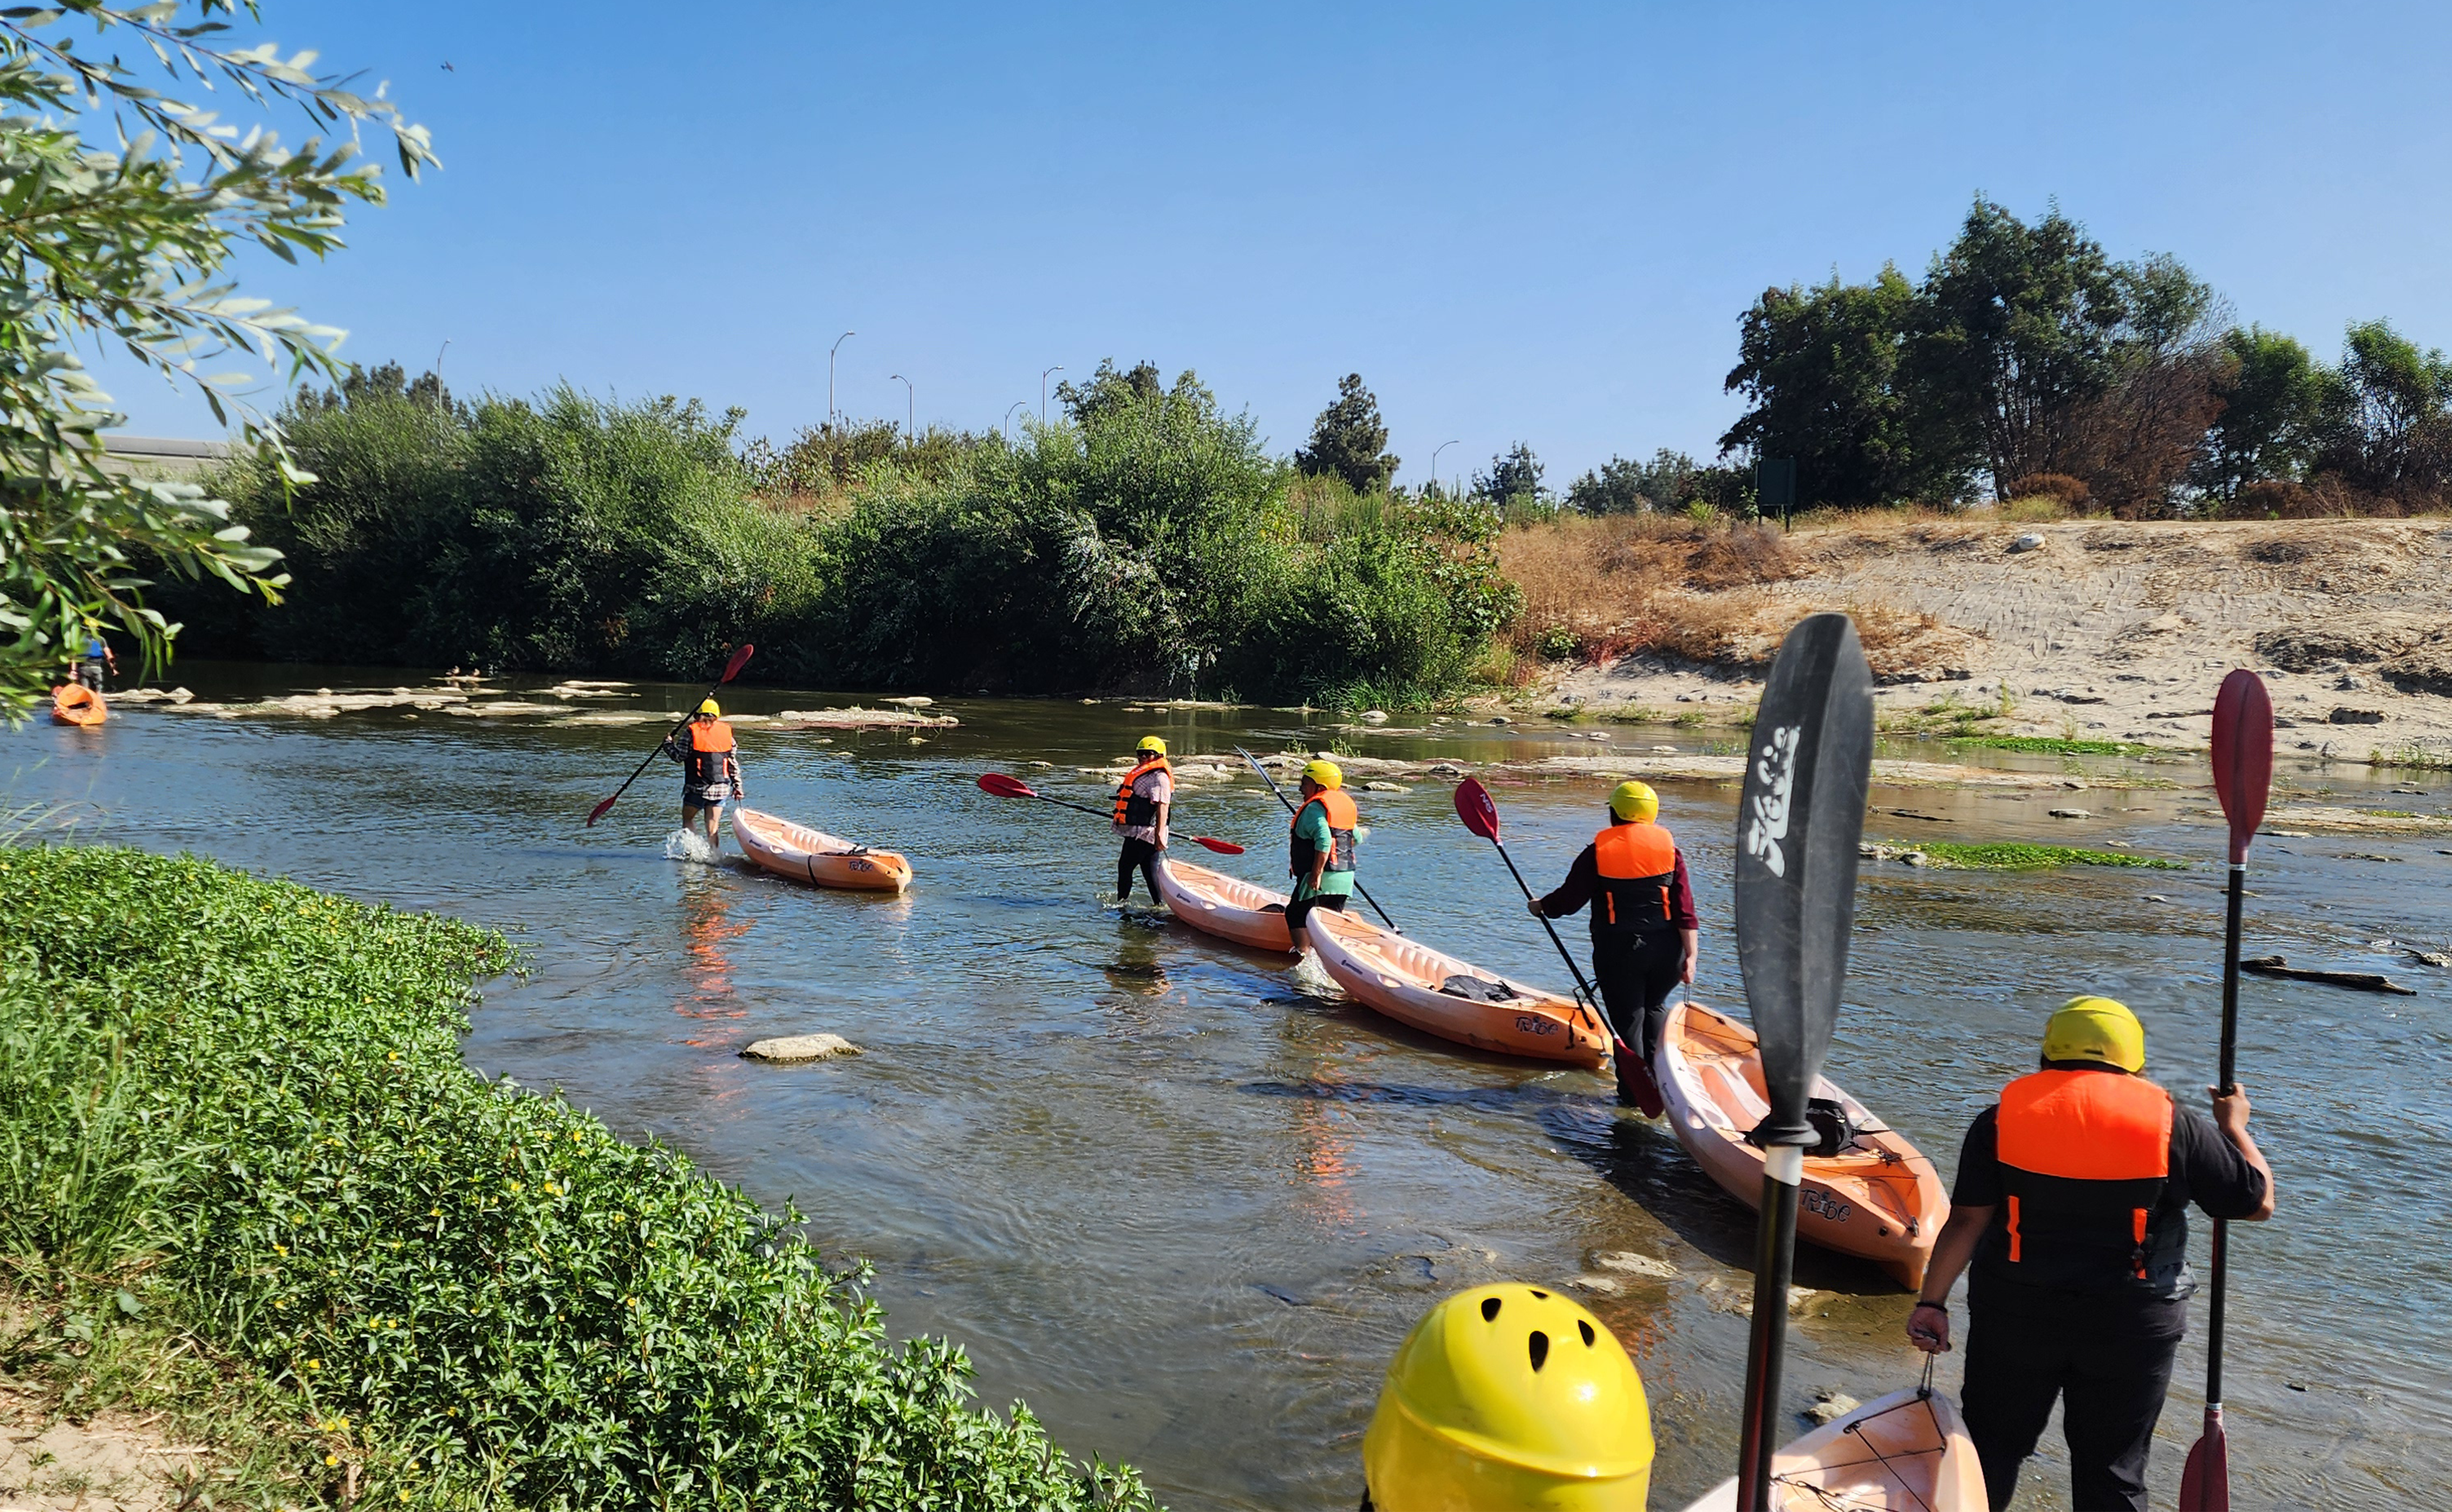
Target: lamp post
{"points": [[830, 375], [1019, 404], [911, 403], [1042, 393], [1434, 461]]}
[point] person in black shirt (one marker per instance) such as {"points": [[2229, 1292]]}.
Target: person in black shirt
{"points": [[2072, 1202]]}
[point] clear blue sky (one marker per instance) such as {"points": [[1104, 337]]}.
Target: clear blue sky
{"points": [[1515, 221]]}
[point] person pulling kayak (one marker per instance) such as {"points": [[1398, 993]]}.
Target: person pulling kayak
{"points": [[710, 769], [1645, 934], [2072, 1202], [1144, 801], [1320, 854]]}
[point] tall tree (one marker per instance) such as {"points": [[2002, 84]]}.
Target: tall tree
{"points": [[1514, 473], [2132, 443], [2387, 414], [2272, 398], [1108, 391], [1621, 486], [1349, 440], [2020, 325], [1820, 369], [123, 207]]}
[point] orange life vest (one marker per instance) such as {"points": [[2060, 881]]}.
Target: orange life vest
{"points": [[1132, 810], [710, 742], [2085, 1157], [1637, 863], [1339, 811]]}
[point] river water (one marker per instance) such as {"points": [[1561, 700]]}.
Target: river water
{"points": [[1185, 1206]]}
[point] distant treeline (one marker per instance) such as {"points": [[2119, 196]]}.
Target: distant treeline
{"points": [[1144, 541]]}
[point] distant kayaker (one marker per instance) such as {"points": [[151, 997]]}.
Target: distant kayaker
{"points": [[1143, 801], [710, 770], [1320, 856], [1645, 935], [98, 662], [2072, 1200]]}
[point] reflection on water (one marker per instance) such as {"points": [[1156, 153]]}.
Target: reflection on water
{"points": [[1186, 1200]]}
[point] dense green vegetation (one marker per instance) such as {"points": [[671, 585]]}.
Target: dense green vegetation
{"points": [[1146, 542], [2017, 856], [238, 1105]]}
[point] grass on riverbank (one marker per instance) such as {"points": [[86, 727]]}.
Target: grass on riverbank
{"points": [[2018, 856], [467, 1294]]}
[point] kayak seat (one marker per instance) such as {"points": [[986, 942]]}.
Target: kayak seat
{"points": [[1477, 990], [1274, 907]]}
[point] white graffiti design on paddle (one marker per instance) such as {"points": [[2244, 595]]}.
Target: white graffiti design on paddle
{"points": [[1777, 770]]}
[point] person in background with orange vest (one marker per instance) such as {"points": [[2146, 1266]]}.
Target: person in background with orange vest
{"points": [[1319, 854], [710, 772], [2072, 1200], [1645, 935], [1144, 799]]}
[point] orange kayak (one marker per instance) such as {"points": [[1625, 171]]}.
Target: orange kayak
{"points": [[75, 703], [1878, 1198], [1906, 1452], [1226, 906], [810, 855], [1415, 984]]}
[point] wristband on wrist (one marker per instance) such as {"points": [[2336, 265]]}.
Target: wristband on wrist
{"points": [[1937, 1307]]}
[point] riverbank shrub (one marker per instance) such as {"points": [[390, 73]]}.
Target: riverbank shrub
{"points": [[241, 1103]]}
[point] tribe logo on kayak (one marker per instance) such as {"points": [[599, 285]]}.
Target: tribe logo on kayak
{"points": [[1775, 768]]}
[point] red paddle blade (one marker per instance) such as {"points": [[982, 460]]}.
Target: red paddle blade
{"points": [[1636, 1076], [739, 659], [2242, 755], [598, 812], [1473, 805], [1223, 847], [2204, 1483], [1003, 786]]}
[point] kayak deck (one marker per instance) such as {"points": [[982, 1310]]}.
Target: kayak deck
{"points": [[804, 854], [1407, 981], [1226, 906], [1906, 1452], [1879, 1198]]}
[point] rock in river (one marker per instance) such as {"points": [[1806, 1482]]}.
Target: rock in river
{"points": [[800, 1047]]}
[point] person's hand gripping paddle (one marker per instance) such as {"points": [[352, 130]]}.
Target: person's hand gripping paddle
{"points": [[731, 669], [2242, 780], [1798, 822], [1004, 787], [1480, 812]]}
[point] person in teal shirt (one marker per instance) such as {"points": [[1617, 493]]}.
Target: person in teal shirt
{"points": [[1320, 858]]}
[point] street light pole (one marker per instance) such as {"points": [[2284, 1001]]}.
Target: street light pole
{"points": [[911, 423], [1019, 404], [830, 375], [1434, 461], [1042, 393]]}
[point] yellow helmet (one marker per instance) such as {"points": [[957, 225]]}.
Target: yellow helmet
{"points": [[1324, 773], [1635, 802], [2096, 1029], [1505, 1396], [710, 706], [1153, 745]]}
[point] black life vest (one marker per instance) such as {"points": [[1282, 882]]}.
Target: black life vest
{"points": [[1133, 809], [1637, 864], [2085, 1157], [1339, 811]]}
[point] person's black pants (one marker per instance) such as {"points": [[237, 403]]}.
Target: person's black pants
{"points": [[1141, 855], [1636, 969], [2106, 1356], [1300, 908]]}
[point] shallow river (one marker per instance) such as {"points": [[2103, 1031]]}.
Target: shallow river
{"points": [[1185, 1207]]}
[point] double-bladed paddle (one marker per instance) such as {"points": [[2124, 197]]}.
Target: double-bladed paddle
{"points": [[1393, 926], [1480, 812], [1798, 824], [731, 669], [2242, 780], [1004, 787]]}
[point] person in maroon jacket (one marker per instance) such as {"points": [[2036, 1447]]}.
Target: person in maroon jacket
{"points": [[1645, 934]]}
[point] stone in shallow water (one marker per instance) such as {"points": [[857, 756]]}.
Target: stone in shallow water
{"points": [[1830, 1405], [800, 1047]]}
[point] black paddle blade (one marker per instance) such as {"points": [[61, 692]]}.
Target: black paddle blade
{"points": [[1798, 824]]}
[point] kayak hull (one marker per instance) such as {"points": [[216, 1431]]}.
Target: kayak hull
{"points": [[1906, 1452], [1401, 979], [813, 856], [1879, 1199], [1226, 906], [75, 703]]}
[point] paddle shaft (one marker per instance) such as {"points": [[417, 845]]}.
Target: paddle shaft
{"points": [[1084, 808], [1590, 998], [718, 687], [1291, 809], [1766, 1348], [2229, 1083]]}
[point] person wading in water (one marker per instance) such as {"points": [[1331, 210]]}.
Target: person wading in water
{"points": [[1320, 856], [1143, 801], [1645, 934], [710, 770], [2072, 1202]]}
